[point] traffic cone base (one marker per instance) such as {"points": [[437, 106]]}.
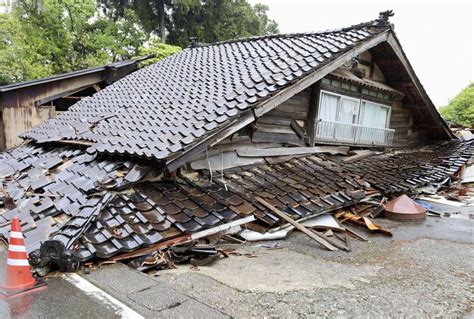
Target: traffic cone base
{"points": [[7, 293], [18, 276]]}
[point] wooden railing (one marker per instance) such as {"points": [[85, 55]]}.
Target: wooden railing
{"points": [[338, 132]]}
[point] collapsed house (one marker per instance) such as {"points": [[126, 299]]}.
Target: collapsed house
{"points": [[219, 133]]}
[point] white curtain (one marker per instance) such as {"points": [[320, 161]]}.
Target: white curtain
{"points": [[328, 107], [383, 117], [349, 111], [374, 115], [370, 114]]}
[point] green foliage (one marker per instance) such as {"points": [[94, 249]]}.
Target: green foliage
{"points": [[461, 108], [160, 50], [208, 20], [42, 38], [212, 21]]}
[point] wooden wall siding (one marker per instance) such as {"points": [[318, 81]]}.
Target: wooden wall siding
{"points": [[401, 121], [17, 120], [275, 126], [2, 132]]}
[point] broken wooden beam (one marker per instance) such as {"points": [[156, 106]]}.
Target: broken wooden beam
{"points": [[153, 248], [358, 156], [297, 225]]}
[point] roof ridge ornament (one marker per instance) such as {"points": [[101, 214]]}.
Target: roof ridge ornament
{"points": [[383, 19]]}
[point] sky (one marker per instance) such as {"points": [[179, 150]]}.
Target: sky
{"points": [[437, 36]]}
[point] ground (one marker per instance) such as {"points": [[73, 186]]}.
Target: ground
{"points": [[425, 270]]}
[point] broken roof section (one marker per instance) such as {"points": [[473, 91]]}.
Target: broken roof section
{"points": [[202, 95], [75, 207]]}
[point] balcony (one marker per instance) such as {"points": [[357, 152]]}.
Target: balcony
{"points": [[355, 134]]}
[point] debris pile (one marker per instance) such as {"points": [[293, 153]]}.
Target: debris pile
{"points": [[77, 207]]}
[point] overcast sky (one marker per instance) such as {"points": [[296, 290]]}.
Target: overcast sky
{"points": [[437, 36]]}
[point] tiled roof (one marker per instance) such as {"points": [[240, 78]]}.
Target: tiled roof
{"points": [[404, 171], [169, 106], [99, 208]]}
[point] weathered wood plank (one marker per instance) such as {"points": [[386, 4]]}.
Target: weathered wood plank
{"points": [[280, 129], [313, 104], [275, 120], [298, 129], [358, 156], [283, 151], [266, 137], [224, 161], [229, 147], [297, 115]]}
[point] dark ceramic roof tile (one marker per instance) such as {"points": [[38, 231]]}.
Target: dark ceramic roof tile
{"points": [[252, 67]]}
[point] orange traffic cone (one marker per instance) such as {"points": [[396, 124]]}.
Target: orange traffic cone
{"points": [[19, 279]]}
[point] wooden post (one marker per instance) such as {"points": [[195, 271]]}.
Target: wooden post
{"points": [[313, 113]]}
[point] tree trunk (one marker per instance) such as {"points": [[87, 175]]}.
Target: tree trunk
{"points": [[161, 20]]}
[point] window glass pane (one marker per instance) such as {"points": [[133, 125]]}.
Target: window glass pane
{"points": [[349, 111], [328, 107], [382, 117], [369, 114]]}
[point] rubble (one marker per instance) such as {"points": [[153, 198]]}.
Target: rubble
{"points": [[84, 208]]}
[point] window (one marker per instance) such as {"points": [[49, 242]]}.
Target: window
{"points": [[344, 109], [374, 115], [351, 120]]}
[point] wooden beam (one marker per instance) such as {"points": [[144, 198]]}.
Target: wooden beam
{"points": [[285, 151], [297, 225], [313, 112]]}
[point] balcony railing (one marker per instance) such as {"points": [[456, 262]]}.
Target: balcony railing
{"points": [[338, 132]]}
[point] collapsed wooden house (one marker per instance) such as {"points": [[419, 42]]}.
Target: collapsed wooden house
{"points": [[193, 141]]}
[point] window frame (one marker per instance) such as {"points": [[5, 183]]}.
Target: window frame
{"points": [[359, 101], [389, 113], [339, 104]]}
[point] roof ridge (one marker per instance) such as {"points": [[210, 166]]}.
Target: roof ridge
{"points": [[380, 22]]}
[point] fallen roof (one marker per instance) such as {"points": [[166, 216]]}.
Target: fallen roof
{"points": [[92, 207], [170, 105]]}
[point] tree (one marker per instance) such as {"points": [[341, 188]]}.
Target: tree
{"points": [[213, 21], [461, 108], [208, 20], [160, 50], [152, 13], [42, 38]]}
